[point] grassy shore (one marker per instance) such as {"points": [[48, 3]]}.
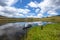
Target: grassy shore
{"points": [[51, 19], [49, 32]]}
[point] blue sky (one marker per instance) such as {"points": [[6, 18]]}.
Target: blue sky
{"points": [[23, 3], [29, 8]]}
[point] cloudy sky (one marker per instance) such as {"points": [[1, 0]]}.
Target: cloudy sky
{"points": [[29, 8]]}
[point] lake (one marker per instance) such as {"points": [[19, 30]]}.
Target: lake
{"points": [[17, 30]]}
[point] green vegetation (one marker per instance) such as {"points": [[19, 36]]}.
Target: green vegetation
{"points": [[6, 19], [51, 19], [49, 32]]}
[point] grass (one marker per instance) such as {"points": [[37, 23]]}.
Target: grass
{"points": [[49, 32], [51, 19]]}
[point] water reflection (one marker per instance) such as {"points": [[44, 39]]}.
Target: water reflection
{"points": [[14, 31]]}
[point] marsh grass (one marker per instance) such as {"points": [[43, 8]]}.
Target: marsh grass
{"points": [[49, 32]]}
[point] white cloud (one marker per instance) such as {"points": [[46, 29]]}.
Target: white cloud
{"points": [[7, 2], [7, 15], [32, 16], [33, 4], [40, 15], [49, 6], [24, 11], [36, 16], [1, 8], [46, 6], [37, 10], [8, 11], [12, 11], [52, 13], [19, 14]]}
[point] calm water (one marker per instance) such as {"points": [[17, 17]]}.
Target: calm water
{"points": [[15, 31]]}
